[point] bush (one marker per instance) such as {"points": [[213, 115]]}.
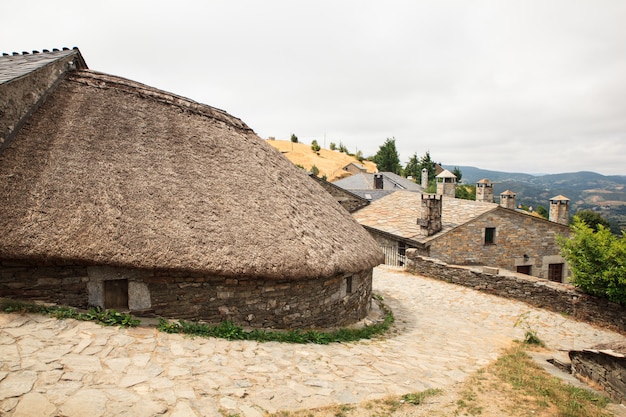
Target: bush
{"points": [[597, 260], [315, 146]]}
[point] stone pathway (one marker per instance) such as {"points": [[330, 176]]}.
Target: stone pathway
{"points": [[444, 333]]}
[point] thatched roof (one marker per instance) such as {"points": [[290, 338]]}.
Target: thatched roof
{"points": [[110, 171]]}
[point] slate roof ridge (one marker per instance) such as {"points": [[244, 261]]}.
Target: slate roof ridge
{"points": [[16, 65]]}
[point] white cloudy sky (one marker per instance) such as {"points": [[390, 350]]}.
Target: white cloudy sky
{"points": [[526, 86]]}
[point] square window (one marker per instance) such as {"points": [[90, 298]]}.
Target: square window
{"points": [[490, 235]]}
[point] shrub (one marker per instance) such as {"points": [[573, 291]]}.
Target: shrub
{"points": [[597, 260]]}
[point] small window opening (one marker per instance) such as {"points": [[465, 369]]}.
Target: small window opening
{"points": [[349, 285], [490, 234]]}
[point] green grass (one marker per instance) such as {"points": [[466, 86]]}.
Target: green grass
{"points": [[96, 314]]}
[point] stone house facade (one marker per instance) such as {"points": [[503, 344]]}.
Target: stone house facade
{"points": [[463, 232]]}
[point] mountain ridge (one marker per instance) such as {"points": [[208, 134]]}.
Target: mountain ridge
{"points": [[587, 190]]}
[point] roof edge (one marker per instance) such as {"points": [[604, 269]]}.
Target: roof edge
{"points": [[102, 80]]}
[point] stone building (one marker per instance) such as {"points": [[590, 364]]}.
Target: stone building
{"points": [[446, 184], [484, 191], [119, 195], [373, 186], [464, 232], [348, 200]]}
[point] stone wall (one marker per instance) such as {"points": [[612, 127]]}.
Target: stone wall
{"points": [[606, 368], [557, 297], [256, 302], [22, 96], [348, 200], [516, 235]]}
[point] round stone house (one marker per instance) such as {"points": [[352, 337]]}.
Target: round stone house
{"points": [[119, 195]]}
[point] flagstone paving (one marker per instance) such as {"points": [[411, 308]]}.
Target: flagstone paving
{"points": [[443, 333]]}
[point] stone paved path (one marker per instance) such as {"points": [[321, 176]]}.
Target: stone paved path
{"points": [[70, 368]]}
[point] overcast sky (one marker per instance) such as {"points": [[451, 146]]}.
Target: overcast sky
{"points": [[518, 86]]}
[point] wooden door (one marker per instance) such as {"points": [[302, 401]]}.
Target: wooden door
{"points": [[116, 294]]}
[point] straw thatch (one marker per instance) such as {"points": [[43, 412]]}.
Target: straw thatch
{"points": [[113, 172]]}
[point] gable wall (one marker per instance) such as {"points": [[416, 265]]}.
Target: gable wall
{"points": [[21, 96], [516, 235], [347, 200]]}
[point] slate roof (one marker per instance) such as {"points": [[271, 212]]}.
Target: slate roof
{"points": [[365, 181], [17, 65], [398, 212]]}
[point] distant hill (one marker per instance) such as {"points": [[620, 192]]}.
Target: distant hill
{"points": [[586, 190], [330, 163]]}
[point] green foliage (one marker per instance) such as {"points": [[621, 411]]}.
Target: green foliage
{"points": [[300, 166], [315, 170], [457, 172], [342, 148], [592, 219], [228, 330], [412, 169], [427, 162], [417, 398], [597, 260], [97, 314], [294, 138], [543, 212], [333, 146], [530, 334], [315, 146], [359, 156], [465, 192], [387, 159]]}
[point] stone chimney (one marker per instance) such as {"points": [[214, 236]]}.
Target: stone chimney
{"points": [[430, 219], [378, 181], [559, 210], [424, 178], [507, 200], [484, 191], [446, 184]]}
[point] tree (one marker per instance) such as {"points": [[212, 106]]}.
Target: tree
{"points": [[315, 170], [294, 138], [457, 172], [387, 159], [333, 146], [413, 169], [543, 212], [465, 192], [597, 259], [427, 162], [315, 146], [592, 219], [342, 148], [359, 156]]}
